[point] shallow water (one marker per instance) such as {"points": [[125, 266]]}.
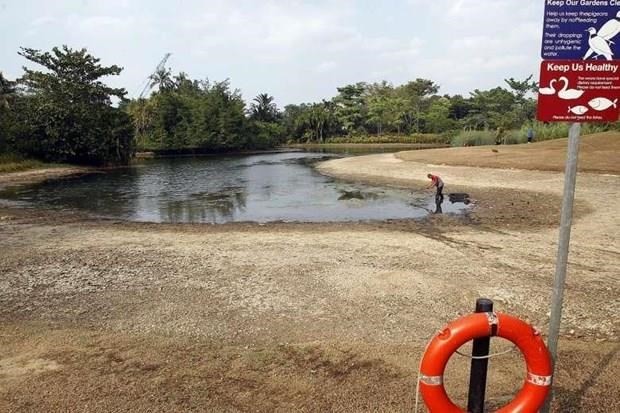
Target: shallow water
{"points": [[262, 188]]}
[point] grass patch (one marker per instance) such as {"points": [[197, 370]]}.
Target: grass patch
{"points": [[542, 132], [414, 138], [15, 163], [513, 137], [489, 137], [474, 138], [558, 130]]}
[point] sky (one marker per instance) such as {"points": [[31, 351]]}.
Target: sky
{"points": [[297, 51]]}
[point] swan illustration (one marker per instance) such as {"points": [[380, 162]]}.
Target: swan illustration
{"points": [[548, 90], [566, 93]]}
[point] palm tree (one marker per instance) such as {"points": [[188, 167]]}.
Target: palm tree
{"points": [[321, 119], [162, 78], [264, 109]]}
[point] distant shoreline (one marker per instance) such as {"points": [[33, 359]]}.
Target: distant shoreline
{"points": [[287, 148], [409, 146], [194, 152]]}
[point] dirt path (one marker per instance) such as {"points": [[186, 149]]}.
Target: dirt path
{"points": [[116, 316]]}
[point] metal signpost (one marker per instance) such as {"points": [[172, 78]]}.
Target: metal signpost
{"points": [[579, 82], [479, 364]]}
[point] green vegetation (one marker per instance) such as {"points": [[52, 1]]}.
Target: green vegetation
{"points": [[542, 132], [474, 138], [547, 131], [409, 113], [15, 163], [65, 113], [197, 115], [391, 138]]}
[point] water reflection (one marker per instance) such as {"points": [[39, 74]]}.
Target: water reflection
{"points": [[346, 195], [219, 206], [261, 188], [438, 202], [95, 193]]}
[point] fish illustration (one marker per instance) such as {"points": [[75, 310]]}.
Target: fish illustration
{"points": [[578, 110], [602, 103]]}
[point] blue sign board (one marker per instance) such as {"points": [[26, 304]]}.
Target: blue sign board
{"points": [[581, 30]]}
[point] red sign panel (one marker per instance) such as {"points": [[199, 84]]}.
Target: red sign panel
{"points": [[579, 91]]}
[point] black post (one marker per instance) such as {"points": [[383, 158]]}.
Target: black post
{"points": [[478, 373]]}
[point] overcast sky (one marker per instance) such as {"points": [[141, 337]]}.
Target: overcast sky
{"points": [[297, 51]]}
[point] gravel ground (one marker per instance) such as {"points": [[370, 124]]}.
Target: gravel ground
{"points": [[103, 315]]}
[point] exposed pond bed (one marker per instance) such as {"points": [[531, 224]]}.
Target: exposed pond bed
{"points": [[261, 188]]}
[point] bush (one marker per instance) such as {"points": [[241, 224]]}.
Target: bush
{"points": [[557, 130], [265, 135], [513, 137], [474, 138], [13, 163], [414, 138], [542, 132]]}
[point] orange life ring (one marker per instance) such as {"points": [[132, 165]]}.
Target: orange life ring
{"points": [[539, 371]]}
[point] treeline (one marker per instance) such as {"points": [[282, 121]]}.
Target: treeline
{"points": [[200, 115], [412, 108], [193, 114], [65, 113]]}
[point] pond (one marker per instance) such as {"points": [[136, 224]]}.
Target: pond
{"points": [[260, 188]]}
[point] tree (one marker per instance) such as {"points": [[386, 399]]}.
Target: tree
{"points": [[264, 109], [416, 94], [7, 92], [7, 96], [67, 115], [311, 122], [197, 115], [524, 107], [142, 112], [293, 121], [377, 100], [183, 84], [162, 78], [351, 109], [219, 121], [520, 88], [491, 109], [459, 107], [438, 116]]}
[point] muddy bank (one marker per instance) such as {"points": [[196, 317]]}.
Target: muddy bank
{"points": [[40, 175]]}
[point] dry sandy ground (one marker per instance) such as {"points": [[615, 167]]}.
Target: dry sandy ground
{"points": [[598, 153], [115, 316]]}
